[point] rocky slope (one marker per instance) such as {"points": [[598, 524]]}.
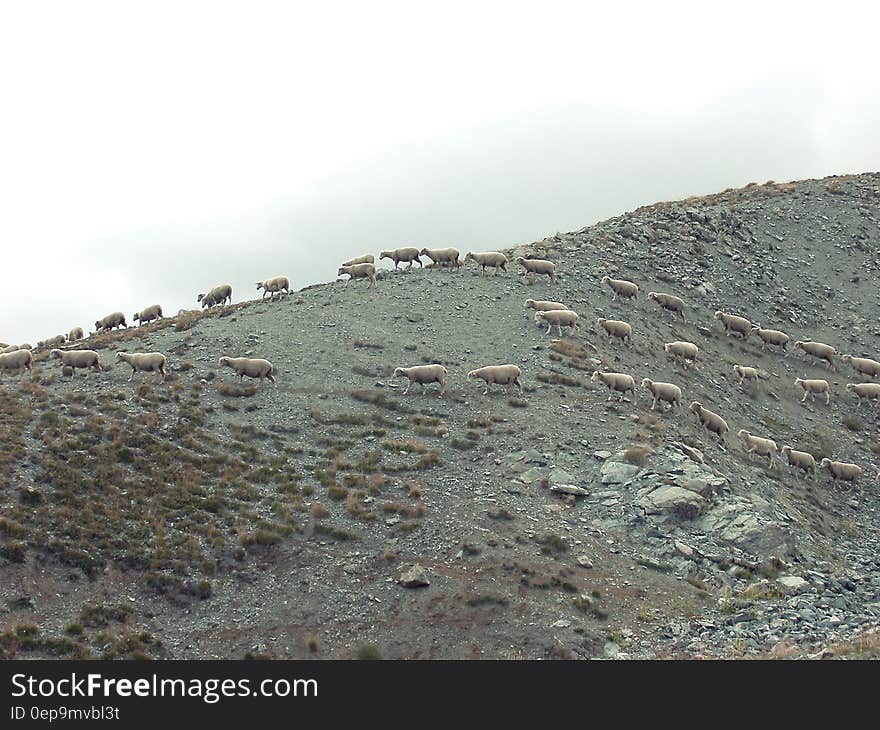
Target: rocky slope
{"points": [[333, 517]]}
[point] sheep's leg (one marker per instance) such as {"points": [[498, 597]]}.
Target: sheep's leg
{"points": [[549, 327], [132, 375], [407, 388], [827, 397], [806, 393]]}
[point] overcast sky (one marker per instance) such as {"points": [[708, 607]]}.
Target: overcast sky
{"points": [[149, 151]]}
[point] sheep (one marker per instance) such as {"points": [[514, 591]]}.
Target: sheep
{"points": [[409, 253], [668, 302], [621, 288], [218, 295], [800, 460], [423, 374], [277, 284], [816, 351], [811, 387], [746, 373], [253, 367], [12, 348], [367, 258], [52, 341], [687, 351], [758, 445], [559, 318], [863, 365], [147, 315], [771, 337], [544, 306], [616, 382], [117, 319], [734, 323], [78, 359], [500, 374], [842, 470], [359, 271], [616, 328], [663, 392], [491, 258], [20, 360], [442, 256], [866, 391], [75, 334], [710, 420], [537, 266], [146, 362]]}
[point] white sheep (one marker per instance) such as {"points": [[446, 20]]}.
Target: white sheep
{"points": [[367, 258], [75, 334], [842, 470], [359, 271], [490, 258], [558, 318], [543, 305], [149, 314], [78, 359], [19, 360], [220, 294], [771, 337], [865, 391], [811, 387], [621, 288], [746, 373], [758, 445], [666, 392], [816, 351], [687, 351], [734, 323], [710, 420], [669, 302], [279, 284], [537, 266], [52, 341], [615, 382], [253, 367], [863, 365], [423, 375], [146, 362], [800, 460], [116, 319], [500, 374], [12, 348], [616, 328], [442, 256], [407, 253]]}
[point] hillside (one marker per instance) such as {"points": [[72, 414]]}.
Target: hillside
{"points": [[197, 518]]}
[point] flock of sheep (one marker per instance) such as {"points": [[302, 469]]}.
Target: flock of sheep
{"points": [[553, 314]]}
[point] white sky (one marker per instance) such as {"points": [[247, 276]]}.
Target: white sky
{"points": [[149, 151]]}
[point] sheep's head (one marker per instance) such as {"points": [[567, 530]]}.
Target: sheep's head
{"points": [[825, 462], [384, 255], [55, 353], [200, 297], [647, 382], [342, 270], [423, 252], [397, 372], [119, 355], [595, 376], [472, 374], [223, 361], [696, 406]]}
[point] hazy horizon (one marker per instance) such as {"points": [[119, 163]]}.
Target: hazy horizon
{"points": [[152, 155]]}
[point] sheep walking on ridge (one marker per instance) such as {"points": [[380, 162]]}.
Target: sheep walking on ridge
{"points": [[19, 360], [490, 258], [145, 362], [219, 295], [771, 337], [531, 267], [367, 258], [622, 288], [842, 470], [279, 284], [558, 318], [75, 334], [616, 328], [663, 392], [78, 359], [865, 391], [442, 256], [687, 351], [500, 374], [359, 271], [408, 253], [863, 365], [616, 383], [746, 373], [734, 323], [423, 375], [148, 315], [759, 446], [116, 319], [52, 341], [252, 367], [544, 306], [811, 387], [668, 302], [710, 420], [800, 460], [817, 351]]}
